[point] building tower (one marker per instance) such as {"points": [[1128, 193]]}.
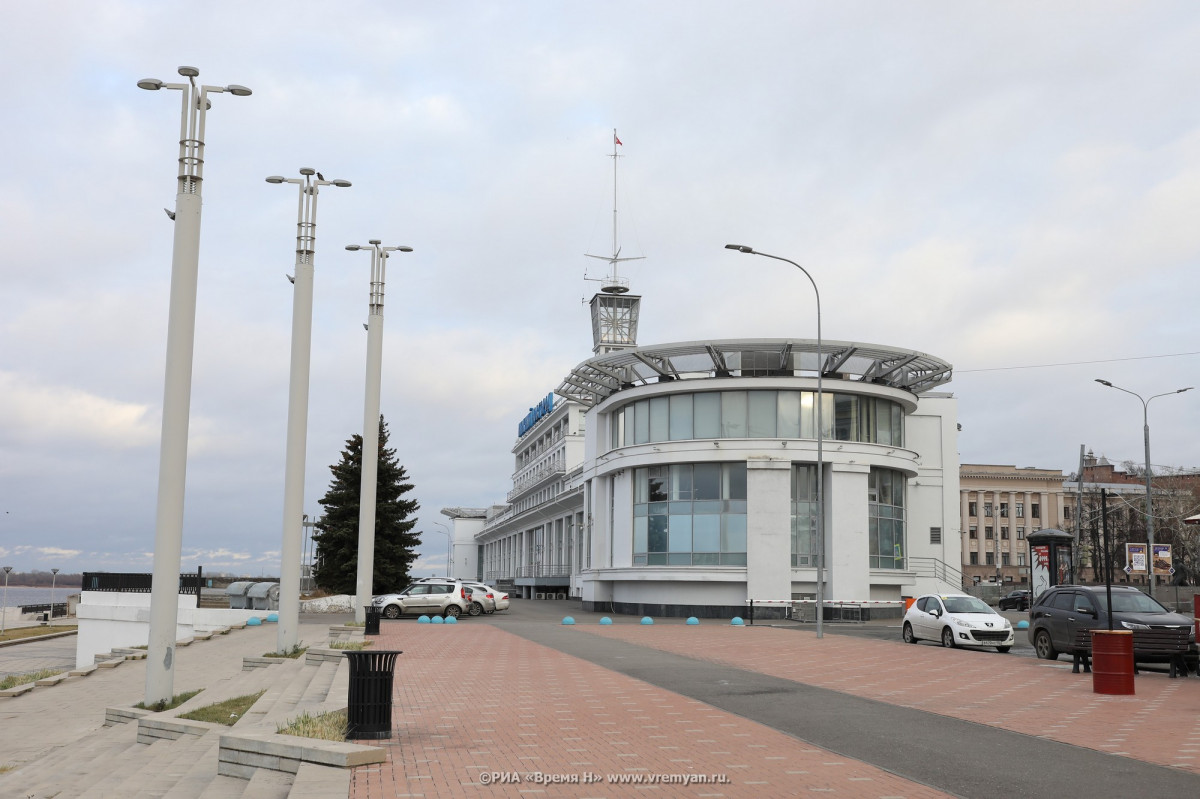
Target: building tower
{"points": [[614, 310]]}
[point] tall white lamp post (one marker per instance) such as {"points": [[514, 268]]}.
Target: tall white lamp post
{"points": [[449, 538], [820, 436], [4, 607], [1146, 439], [297, 428], [53, 586], [177, 393], [370, 445]]}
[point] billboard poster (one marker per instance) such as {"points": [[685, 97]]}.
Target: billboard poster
{"points": [[1040, 571], [1162, 560], [1135, 558]]}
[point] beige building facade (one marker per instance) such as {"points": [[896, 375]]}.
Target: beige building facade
{"points": [[999, 507]]}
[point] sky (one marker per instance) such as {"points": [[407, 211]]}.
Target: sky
{"points": [[1012, 187]]}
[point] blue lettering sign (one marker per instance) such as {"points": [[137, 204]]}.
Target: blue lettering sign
{"points": [[536, 413]]}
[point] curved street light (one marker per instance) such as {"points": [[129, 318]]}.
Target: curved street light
{"points": [[1146, 438], [177, 393], [449, 538], [820, 435]]}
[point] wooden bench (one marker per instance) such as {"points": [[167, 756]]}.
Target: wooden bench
{"points": [[1170, 644]]}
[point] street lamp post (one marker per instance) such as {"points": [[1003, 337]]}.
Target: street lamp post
{"points": [[177, 393], [1146, 439], [449, 538], [820, 436], [53, 586], [4, 607], [297, 426], [370, 445]]}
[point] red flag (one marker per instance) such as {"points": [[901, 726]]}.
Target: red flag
{"points": [[618, 141]]}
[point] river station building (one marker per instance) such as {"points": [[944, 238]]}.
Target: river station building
{"points": [[680, 479]]}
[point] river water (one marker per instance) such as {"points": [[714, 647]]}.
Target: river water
{"points": [[23, 595]]}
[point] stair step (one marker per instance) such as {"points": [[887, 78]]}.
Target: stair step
{"points": [[165, 771], [223, 787], [52, 775], [196, 779], [268, 784]]}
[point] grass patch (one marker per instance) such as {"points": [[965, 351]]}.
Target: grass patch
{"points": [[227, 712], [295, 652], [355, 624], [326, 727], [163, 704], [353, 646], [17, 633], [143, 646], [13, 680]]}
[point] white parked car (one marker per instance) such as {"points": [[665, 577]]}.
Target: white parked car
{"points": [[957, 620]]}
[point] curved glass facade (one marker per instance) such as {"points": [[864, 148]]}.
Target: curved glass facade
{"points": [[690, 514], [757, 414], [885, 498]]}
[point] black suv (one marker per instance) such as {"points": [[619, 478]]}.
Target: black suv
{"points": [[1061, 612], [1017, 600]]}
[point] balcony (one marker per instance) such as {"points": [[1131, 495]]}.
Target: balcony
{"points": [[534, 478]]}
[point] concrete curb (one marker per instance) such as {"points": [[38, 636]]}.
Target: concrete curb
{"points": [[251, 663], [124, 715], [160, 728], [241, 754], [32, 638], [318, 655]]}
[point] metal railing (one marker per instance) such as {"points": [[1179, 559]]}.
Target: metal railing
{"points": [[937, 569], [543, 570], [535, 477], [138, 583]]}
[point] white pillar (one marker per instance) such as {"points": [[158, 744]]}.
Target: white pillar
{"points": [[768, 529], [847, 542], [370, 467]]}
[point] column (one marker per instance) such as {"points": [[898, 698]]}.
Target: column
{"points": [[847, 545], [769, 529]]}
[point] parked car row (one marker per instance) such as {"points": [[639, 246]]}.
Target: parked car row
{"points": [[442, 596]]}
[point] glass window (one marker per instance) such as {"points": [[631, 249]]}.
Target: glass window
{"points": [[659, 413], [706, 532], [733, 533], [706, 480], [733, 480], [733, 414], [763, 414], [641, 421], [707, 415], [630, 424], [885, 519], [670, 528], [681, 417], [680, 533], [658, 484], [787, 422], [804, 515], [845, 416]]}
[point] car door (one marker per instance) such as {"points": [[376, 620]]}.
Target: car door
{"points": [[931, 619], [1060, 619], [416, 598]]}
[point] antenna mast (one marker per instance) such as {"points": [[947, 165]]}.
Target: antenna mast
{"points": [[612, 283]]}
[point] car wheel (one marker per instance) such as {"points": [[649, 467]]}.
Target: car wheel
{"points": [[452, 610], [1044, 646], [475, 609], [947, 638], [909, 638], [391, 612], [1003, 649]]}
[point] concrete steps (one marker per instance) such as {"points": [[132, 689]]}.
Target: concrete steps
{"points": [[56, 776]]}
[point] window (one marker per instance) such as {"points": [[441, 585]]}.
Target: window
{"points": [[935, 535], [885, 518], [690, 515], [991, 560], [753, 414], [987, 509], [1020, 510], [987, 532], [1035, 510], [1004, 510], [974, 558], [804, 515], [1020, 533], [1004, 559], [1020, 558], [974, 532], [1004, 533], [971, 509]]}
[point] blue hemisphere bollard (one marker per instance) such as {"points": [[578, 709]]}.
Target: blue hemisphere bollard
{"points": [[736, 621], [567, 620], [693, 620], [647, 620], [253, 621], [437, 620], [451, 620], [606, 620], [422, 619], [273, 618]]}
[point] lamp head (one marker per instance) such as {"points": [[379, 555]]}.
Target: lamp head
{"points": [[150, 84], [189, 72], [275, 179], [739, 247], [353, 247], [406, 248], [1180, 391], [238, 91], [1104, 382], [341, 184], [376, 242], [307, 170]]}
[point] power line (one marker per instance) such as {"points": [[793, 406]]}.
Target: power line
{"points": [[1075, 363]]}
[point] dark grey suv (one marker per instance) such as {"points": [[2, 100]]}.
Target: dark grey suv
{"points": [[1061, 612]]}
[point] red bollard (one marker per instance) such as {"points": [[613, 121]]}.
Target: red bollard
{"points": [[1112, 662]]}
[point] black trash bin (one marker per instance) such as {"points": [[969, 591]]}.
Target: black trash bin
{"points": [[369, 706], [374, 614]]}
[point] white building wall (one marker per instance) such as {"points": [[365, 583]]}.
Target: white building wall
{"points": [[768, 528], [846, 541]]}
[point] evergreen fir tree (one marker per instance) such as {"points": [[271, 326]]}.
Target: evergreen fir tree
{"points": [[336, 538]]}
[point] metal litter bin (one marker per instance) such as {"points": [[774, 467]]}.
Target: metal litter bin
{"points": [[369, 704], [263, 596], [237, 594], [373, 616]]}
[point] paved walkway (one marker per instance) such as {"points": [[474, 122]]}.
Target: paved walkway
{"points": [[764, 711]]}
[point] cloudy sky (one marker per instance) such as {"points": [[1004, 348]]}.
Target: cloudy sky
{"points": [[1002, 185]]}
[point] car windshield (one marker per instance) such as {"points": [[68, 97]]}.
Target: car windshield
{"points": [[1130, 602], [965, 604]]}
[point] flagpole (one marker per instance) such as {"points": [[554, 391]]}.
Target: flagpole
{"points": [[614, 157]]}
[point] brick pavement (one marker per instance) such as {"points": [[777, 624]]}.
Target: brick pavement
{"points": [[1160, 724], [472, 699]]}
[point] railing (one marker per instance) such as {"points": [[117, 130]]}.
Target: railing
{"points": [[938, 570], [59, 609], [533, 478], [138, 583]]}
